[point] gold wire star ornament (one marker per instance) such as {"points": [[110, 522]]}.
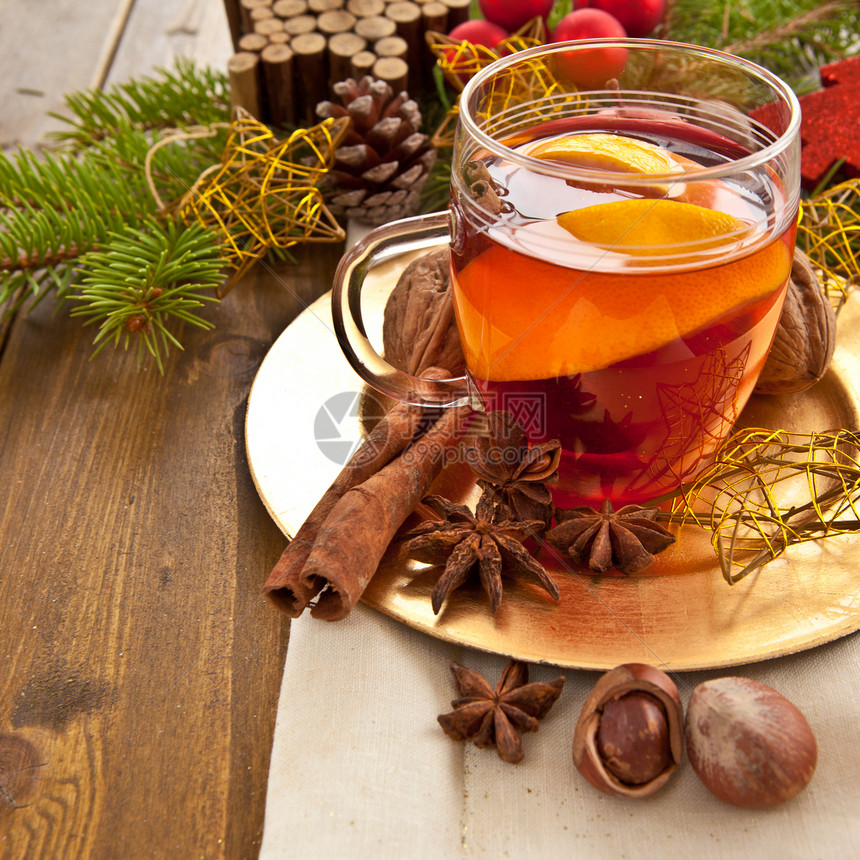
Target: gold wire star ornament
{"points": [[829, 233], [263, 194]]}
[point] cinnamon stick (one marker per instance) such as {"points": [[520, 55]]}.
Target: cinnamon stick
{"points": [[391, 435], [344, 559]]}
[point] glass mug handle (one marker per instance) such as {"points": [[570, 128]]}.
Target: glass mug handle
{"points": [[383, 243]]}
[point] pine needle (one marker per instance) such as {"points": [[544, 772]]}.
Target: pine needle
{"points": [[144, 279]]}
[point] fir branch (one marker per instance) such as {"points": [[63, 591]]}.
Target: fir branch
{"points": [[791, 29], [146, 278], [792, 38], [178, 98]]}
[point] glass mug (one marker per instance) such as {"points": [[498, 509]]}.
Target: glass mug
{"points": [[619, 255]]}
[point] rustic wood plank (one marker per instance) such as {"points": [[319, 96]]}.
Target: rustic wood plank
{"points": [[49, 50], [139, 660], [140, 666], [159, 33]]}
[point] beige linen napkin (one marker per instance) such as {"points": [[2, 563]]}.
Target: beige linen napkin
{"points": [[361, 768]]}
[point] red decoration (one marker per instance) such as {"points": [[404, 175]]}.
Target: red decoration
{"points": [[479, 32], [830, 128], [637, 17], [512, 16], [591, 68]]}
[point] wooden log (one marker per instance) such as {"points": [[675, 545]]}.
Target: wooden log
{"points": [[365, 8], [458, 12], [393, 70], [261, 13], [254, 42], [374, 28], [335, 21], [434, 16], [277, 65], [243, 71], [391, 46], [300, 24], [361, 64], [407, 18], [269, 26], [320, 6], [341, 49], [281, 38], [311, 72], [245, 9], [234, 21], [289, 8]]}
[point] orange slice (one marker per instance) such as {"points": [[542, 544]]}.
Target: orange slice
{"points": [[612, 152], [654, 227], [617, 153], [525, 319]]}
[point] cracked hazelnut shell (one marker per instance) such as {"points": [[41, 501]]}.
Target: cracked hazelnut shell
{"points": [[749, 745], [629, 738]]}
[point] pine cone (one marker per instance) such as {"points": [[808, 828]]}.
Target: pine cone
{"points": [[384, 160]]}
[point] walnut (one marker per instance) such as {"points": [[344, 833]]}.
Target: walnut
{"points": [[805, 338], [418, 328]]}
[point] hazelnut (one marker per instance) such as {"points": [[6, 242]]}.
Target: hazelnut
{"points": [[629, 736], [750, 746]]}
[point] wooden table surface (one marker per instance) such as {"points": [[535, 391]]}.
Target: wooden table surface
{"points": [[139, 665]]}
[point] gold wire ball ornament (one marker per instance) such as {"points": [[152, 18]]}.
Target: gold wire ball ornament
{"points": [[263, 193], [459, 60], [771, 489], [829, 233]]}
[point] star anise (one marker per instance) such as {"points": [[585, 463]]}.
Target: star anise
{"points": [[487, 716], [518, 472], [627, 539], [488, 540]]}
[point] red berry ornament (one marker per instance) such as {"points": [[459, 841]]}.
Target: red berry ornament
{"points": [[592, 67], [512, 15], [479, 32], [637, 17]]}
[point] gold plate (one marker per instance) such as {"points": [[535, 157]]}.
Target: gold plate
{"points": [[683, 616]]}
